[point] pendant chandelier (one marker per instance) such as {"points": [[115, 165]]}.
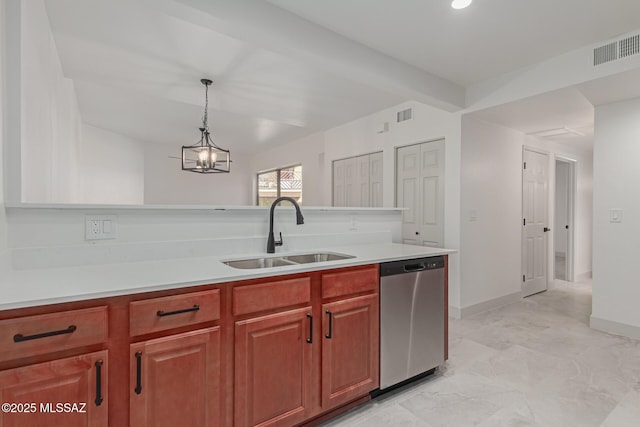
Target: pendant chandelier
{"points": [[205, 156]]}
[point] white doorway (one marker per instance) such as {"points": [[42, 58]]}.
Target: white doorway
{"points": [[420, 190], [535, 225], [563, 227]]}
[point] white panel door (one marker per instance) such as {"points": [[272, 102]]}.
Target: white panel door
{"points": [[535, 188], [420, 190], [375, 180], [339, 196], [350, 185], [362, 195], [407, 191], [432, 193]]}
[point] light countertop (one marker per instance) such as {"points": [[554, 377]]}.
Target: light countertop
{"points": [[34, 287]]}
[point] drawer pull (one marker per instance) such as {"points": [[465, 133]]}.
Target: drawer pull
{"points": [[20, 337], [138, 388], [161, 313], [99, 383], [310, 339]]}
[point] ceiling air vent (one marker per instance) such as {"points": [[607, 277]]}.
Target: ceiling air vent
{"points": [[629, 46], [617, 50], [606, 53], [404, 115]]}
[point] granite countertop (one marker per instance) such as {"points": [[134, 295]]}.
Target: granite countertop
{"points": [[34, 287]]}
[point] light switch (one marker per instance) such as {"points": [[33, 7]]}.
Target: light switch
{"points": [[615, 215]]}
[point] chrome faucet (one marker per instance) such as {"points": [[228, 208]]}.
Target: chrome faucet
{"points": [[271, 242]]}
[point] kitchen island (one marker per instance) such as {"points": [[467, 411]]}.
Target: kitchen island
{"points": [[144, 341]]}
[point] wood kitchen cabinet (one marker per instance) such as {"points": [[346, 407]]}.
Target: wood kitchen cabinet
{"points": [[350, 349], [273, 369], [68, 392], [175, 380]]}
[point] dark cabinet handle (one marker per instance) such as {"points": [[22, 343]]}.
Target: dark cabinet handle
{"points": [[20, 337], [310, 339], [99, 383], [138, 388], [161, 313], [330, 333]]}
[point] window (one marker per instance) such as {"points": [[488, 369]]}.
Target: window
{"points": [[280, 183]]}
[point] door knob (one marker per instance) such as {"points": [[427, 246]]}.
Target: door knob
{"points": [[417, 233], [546, 229]]}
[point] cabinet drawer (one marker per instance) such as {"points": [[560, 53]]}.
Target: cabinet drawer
{"points": [[48, 333], [350, 282], [159, 314], [271, 295]]}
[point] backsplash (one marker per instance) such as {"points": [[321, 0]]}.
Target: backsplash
{"points": [[54, 237]]}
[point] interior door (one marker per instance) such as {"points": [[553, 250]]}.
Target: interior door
{"points": [[535, 188], [375, 179], [338, 183], [420, 190], [362, 182]]}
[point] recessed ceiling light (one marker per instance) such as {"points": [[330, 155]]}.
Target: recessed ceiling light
{"points": [[460, 4]]}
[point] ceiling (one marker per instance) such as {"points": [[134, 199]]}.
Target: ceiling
{"points": [[283, 69]]}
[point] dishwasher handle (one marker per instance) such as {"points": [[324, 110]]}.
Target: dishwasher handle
{"points": [[410, 268]]}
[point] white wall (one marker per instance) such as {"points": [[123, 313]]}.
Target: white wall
{"points": [[165, 183], [110, 168], [491, 185], [310, 152], [616, 289], [362, 136], [50, 117]]}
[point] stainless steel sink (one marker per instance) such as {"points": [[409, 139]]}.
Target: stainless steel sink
{"points": [[319, 257], [266, 262]]}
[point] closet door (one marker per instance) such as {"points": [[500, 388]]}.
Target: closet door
{"points": [[375, 180], [420, 189], [339, 195]]}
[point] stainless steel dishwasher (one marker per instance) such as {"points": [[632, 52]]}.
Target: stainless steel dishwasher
{"points": [[411, 319]]}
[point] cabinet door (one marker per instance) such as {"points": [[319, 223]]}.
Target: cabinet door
{"points": [[350, 353], [273, 369], [175, 380], [68, 392]]}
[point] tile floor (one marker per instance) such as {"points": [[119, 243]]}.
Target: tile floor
{"points": [[532, 363]]}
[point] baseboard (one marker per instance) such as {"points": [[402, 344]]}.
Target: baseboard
{"points": [[614, 327], [583, 276], [489, 304]]}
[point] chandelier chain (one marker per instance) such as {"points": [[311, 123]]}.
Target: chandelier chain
{"points": [[206, 108]]}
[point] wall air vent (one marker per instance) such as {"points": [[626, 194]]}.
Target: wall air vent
{"points": [[404, 115], [606, 53], [616, 50], [629, 46]]}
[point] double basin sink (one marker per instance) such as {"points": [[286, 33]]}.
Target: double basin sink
{"points": [[280, 261]]}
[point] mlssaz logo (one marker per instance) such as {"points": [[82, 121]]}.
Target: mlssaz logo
{"points": [[63, 407]]}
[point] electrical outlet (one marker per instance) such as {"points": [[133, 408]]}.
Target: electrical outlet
{"points": [[100, 227]]}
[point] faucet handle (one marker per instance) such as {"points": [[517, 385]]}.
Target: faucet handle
{"points": [[279, 242]]}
